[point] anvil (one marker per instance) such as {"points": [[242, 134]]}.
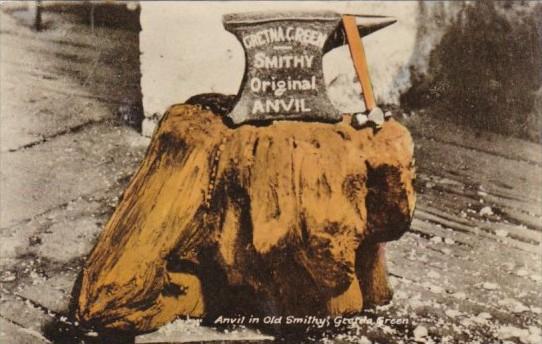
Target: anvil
{"points": [[284, 76]]}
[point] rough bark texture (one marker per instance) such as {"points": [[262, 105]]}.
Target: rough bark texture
{"points": [[287, 218]]}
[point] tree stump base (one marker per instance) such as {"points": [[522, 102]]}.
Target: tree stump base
{"points": [[284, 219]]}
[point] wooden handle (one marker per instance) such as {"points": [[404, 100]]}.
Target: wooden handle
{"points": [[360, 61]]}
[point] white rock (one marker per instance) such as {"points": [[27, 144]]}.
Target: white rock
{"points": [[452, 313], [486, 211], [132, 5], [513, 305], [447, 339], [415, 303], [509, 266], [400, 294], [148, 126], [376, 116], [501, 233], [521, 272], [446, 251], [359, 120], [484, 315], [535, 330], [490, 286], [388, 330], [433, 288], [364, 340], [460, 295], [436, 239], [519, 308], [423, 258], [8, 277], [433, 274], [467, 322], [525, 336], [532, 339], [420, 332], [437, 290], [506, 332]]}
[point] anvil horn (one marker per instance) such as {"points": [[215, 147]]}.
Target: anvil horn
{"points": [[369, 24], [366, 24]]}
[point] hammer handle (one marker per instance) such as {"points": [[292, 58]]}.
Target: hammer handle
{"points": [[360, 61]]}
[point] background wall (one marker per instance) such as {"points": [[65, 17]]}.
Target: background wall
{"points": [[473, 62], [186, 51]]}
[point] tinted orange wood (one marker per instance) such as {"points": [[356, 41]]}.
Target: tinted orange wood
{"points": [[357, 51], [279, 212]]}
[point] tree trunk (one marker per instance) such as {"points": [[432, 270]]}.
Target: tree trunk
{"points": [[280, 219]]}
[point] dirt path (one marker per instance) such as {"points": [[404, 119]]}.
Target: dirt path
{"points": [[64, 160], [468, 271], [471, 266]]}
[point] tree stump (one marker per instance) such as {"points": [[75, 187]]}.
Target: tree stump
{"points": [[288, 218]]}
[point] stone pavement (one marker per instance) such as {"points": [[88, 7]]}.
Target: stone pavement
{"points": [[468, 271], [65, 158]]}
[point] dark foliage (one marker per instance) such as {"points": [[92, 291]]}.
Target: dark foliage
{"points": [[486, 70]]}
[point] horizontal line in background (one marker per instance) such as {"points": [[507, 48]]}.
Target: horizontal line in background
{"points": [[282, 47]]}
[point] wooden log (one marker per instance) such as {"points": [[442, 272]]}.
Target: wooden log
{"points": [[287, 218]]}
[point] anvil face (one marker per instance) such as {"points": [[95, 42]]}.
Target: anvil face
{"points": [[284, 76]]}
